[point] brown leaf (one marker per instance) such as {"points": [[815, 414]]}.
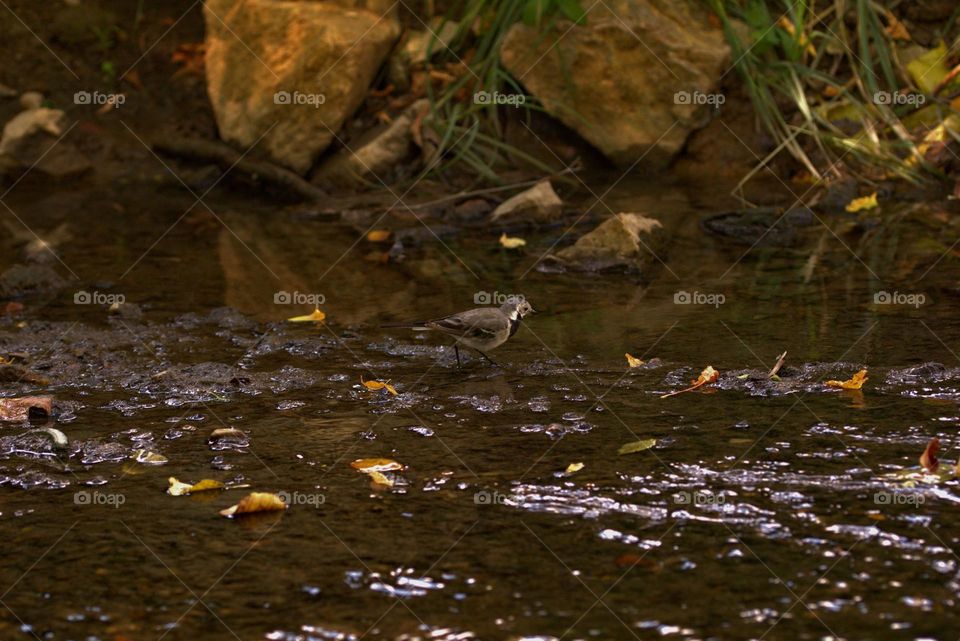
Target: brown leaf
{"points": [[379, 385], [255, 502], [376, 465], [855, 382], [20, 409], [929, 459], [707, 376]]}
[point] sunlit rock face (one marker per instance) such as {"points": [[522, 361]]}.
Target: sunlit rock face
{"points": [[288, 73], [635, 80]]}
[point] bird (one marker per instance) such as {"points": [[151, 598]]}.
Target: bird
{"points": [[481, 329]]}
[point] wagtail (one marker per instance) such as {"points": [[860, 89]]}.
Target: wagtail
{"points": [[481, 329]]}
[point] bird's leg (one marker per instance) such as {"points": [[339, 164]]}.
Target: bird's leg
{"points": [[456, 350], [490, 360]]}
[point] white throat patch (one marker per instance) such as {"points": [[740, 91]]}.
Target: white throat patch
{"points": [[512, 315]]}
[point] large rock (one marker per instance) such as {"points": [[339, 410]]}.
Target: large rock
{"points": [[631, 241], [292, 71], [623, 79], [375, 153]]}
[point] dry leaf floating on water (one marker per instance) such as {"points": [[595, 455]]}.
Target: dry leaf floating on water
{"points": [[707, 376], [255, 502], [315, 316], [855, 382]]}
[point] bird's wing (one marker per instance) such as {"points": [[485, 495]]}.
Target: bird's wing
{"points": [[475, 323]]}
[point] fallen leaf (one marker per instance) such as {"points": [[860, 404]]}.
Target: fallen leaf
{"points": [[146, 457], [862, 204], [255, 502], [574, 467], [226, 431], [707, 376], [929, 69], [777, 365], [191, 55], [20, 409], [896, 29], [379, 235], [378, 385], [637, 446], [380, 478], [632, 361], [368, 465], [929, 459], [855, 382], [315, 316], [178, 488], [511, 242]]}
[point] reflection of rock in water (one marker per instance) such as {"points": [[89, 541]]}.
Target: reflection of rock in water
{"points": [[763, 226]]}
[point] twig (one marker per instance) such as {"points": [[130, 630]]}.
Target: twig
{"points": [[227, 157], [947, 79]]}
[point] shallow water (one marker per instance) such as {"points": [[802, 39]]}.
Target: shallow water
{"points": [[764, 510]]}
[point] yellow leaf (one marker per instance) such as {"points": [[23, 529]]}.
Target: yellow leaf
{"points": [[511, 242], [380, 478], [632, 361], [315, 316], [861, 204], [574, 467], [707, 376], [255, 502], [637, 446], [929, 69], [379, 235], [856, 382], [378, 385], [178, 488], [376, 465]]}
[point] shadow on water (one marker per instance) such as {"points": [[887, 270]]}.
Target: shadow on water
{"points": [[765, 509]]}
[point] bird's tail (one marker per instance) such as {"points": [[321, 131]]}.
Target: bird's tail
{"points": [[418, 326]]}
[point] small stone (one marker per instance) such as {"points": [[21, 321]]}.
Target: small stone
{"points": [[31, 100], [540, 203]]}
